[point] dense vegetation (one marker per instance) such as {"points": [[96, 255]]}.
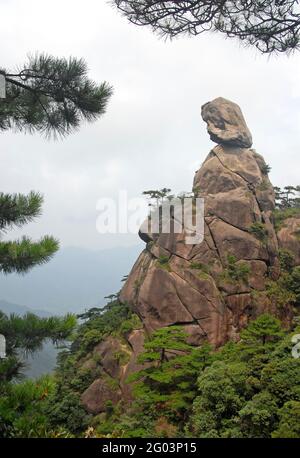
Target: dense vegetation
{"points": [[246, 389]]}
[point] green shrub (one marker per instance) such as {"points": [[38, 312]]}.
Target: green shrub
{"points": [[280, 215], [235, 270], [163, 259], [200, 266], [289, 421], [23, 408], [65, 410], [251, 389], [264, 185], [129, 325], [259, 231], [286, 259], [163, 262], [265, 169], [294, 283], [279, 291]]}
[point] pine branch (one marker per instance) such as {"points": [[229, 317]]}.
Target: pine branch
{"points": [[19, 209], [27, 333], [21, 255], [52, 96], [271, 26]]}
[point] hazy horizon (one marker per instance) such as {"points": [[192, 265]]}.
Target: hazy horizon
{"points": [[75, 279]]}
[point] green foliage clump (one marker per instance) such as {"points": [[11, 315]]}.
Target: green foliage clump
{"points": [[163, 259], [286, 290], [265, 185], [264, 331], [51, 95], [166, 387], [280, 215], [279, 291], [251, 387], [21, 255], [238, 271], [72, 379], [294, 283], [101, 323], [23, 410], [163, 262], [235, 271], [28, 333], [203, 270], [158, 195], [129, 325], [259, 231], [64, 410], [200, 266], [287, 198], [286, 259], [289, 421], [265, 169]]}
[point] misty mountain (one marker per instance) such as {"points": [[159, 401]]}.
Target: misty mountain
{"points": [[74, 280], [9, 307]]}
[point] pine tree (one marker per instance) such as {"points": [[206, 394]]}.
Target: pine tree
{"points": [[21, 255], [265, 329], [269, 25], [167, 385], [158, 195], [288, 197], [51, 95], [27, 334]]}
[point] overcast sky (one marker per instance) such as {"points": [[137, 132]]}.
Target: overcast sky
{"points": [[152, 134]]}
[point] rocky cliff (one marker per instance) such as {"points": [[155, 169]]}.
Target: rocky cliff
{"points": [[203, 286], [215, 287]]}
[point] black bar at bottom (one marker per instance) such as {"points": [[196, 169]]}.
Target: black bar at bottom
{"points": [[90, 448]]}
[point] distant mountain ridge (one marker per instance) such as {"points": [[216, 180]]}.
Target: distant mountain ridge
{"points": [[76, 279], [9, 307]]}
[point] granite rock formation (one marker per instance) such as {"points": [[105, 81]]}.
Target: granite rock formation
{"points": [[195, 287], [215, 287], [226, 124], [288, 237]]}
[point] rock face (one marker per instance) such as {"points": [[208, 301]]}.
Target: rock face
{"points": [[212, 288], [226, 124], [202, 286], [114, 360], [289, 236]]}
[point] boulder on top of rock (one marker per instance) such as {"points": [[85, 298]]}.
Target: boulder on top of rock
{"points": [[226, 124]]}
